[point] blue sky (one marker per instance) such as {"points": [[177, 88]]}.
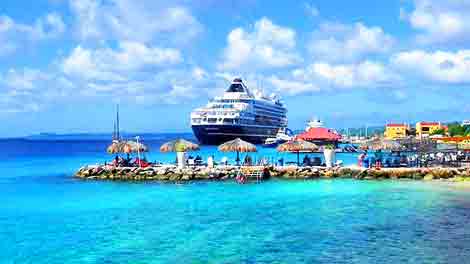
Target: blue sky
{"points": [[66, 63]]}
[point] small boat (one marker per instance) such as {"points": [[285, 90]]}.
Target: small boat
{"points": [[315, 123], [282, 136]]}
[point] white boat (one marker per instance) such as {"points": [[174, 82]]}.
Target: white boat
{"points": [[314, 122], [239, 113], [282, 136]]}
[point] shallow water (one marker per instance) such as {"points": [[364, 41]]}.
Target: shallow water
{"points": [[49, 217]]}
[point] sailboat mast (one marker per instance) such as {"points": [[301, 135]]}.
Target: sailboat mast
{"points": [[117, 123], [114, 130]]}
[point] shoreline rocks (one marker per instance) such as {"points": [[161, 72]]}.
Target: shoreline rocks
{"points": [[224, 173]]}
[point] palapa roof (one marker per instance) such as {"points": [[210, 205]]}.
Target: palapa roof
{"points": [[320, 133], [237, 145], [297, 146], [179, 145], [382, 144], [133, 146], [114, 148], [126, 147]]}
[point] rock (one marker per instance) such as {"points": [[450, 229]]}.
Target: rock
{"points": [[175, 177], [417, 176], [329, 174], [428, 177]]}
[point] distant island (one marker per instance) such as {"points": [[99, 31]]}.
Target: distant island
{"points": [[104, 136]]}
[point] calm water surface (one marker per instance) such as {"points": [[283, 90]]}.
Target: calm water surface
{"points": [[49, 217]]}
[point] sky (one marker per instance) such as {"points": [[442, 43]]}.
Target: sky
{"points": [[65, 64]]}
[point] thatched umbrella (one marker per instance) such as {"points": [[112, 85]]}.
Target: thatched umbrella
{"points": [[127, 147], [419, 145], [297, 146], [382, 144], [237, 145], [180, 146], [115, 147], [392, 145], [134, 147]]}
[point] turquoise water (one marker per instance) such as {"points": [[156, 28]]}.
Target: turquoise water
{"points": [[49, 217]]}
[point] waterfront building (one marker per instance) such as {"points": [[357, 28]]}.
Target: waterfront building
{"points": [[424, 129], [396, 131]]}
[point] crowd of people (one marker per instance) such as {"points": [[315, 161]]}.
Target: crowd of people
{"points": [[119, 161], [397, 159]]}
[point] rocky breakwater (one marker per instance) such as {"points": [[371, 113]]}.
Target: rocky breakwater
{"points": [[161, 173], [174, 174], [450, 174]]}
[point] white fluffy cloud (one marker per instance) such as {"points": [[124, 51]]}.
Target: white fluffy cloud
{"points": [[291, 86], [109, 64], [323, 76], [266, 46], [364, 74], [14, 35], [169, 86], [440, 21], [440, 66], [141, 21], [340, 42], [27, 90]]}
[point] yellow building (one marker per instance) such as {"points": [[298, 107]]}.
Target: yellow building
{"points": [[396, 131], [424, 129]]}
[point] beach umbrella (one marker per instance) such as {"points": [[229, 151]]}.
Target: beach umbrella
{"points": [[115, 147], [297, 146], [419, 145], [391, 145], [237, 145], [179, 145], [382, 144], [126, 147], [134, 147]]}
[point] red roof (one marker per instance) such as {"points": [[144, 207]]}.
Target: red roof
{"points": [[429, 123], [397, 125], [320, 133], [453, 139]]}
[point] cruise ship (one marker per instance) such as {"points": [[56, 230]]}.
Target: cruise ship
{"points": [[239, 113]]}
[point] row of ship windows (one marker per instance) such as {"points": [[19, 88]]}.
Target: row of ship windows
{"points": [[262, 112], [216, 120], [238, 121], [256, 104], [249, 115], [223, 106], [274, 109]]}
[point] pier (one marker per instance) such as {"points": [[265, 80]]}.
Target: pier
{"points": [[170, 173]]}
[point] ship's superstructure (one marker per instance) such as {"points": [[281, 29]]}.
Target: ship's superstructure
{"points": [[239, 113]]}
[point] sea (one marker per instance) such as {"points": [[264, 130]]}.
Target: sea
{"points": [[48, 216]]}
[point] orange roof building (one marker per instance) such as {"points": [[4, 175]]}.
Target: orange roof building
{"points": [[425, 129]]}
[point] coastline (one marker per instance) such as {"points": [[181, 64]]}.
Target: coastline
{"points": [[170, 173]]}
